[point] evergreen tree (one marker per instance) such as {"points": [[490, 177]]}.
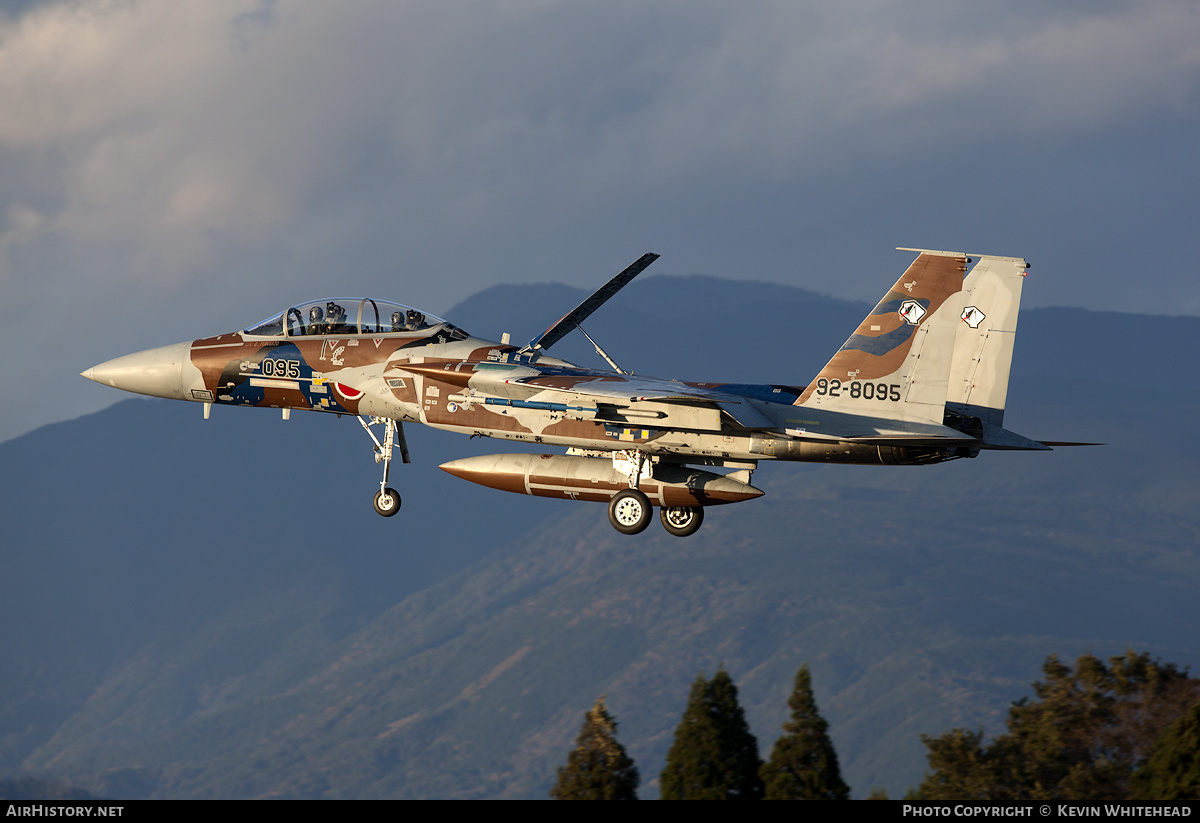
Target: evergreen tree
{"points": [[739, 745], [714, 756], [1081, 739], [691, 761], [598, 767], [960, 767], [1172, 771], [803, 764]]}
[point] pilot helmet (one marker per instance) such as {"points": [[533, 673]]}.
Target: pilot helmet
{"points": [[336, 313], [415, 319], [315, 315], [397, 321]]}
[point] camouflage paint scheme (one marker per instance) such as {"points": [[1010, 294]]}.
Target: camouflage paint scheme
{"points": [[922, 379]]}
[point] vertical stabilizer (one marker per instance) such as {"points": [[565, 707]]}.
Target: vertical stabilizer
{"points": [[983, 346], [896, 365]]}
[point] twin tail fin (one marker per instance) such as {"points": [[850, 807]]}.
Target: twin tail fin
{"points": [[897, 363]]}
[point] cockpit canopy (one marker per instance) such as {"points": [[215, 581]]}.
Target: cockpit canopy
{"points": [[351, 315]]}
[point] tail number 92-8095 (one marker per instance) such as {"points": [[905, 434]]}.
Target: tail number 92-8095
{"points": [[888, 393]]}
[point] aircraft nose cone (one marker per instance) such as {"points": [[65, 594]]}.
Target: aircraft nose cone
{"points": [[156, 372]]}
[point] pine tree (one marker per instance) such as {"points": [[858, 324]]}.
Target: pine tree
{"points": [[692, 758], [739, 746], [1081, 739], [598, 767], [1172, 771], [803, 764], [714, 756]]}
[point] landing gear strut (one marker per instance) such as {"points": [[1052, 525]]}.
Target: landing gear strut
{"points": [[387, 501], [630, 511]]}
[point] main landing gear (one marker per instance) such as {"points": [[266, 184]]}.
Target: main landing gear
{"points": [[630, 511], [387, 501], [681, 520]]}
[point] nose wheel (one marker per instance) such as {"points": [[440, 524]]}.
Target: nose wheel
{"points": [[387, 502]]}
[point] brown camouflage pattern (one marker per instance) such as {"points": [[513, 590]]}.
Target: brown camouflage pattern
{"points": [[882, 341]]}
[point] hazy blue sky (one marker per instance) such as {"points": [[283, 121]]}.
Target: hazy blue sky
{"points": [[169, 170]]}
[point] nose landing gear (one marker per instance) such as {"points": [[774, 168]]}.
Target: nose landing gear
{"points": [[387, 501]]}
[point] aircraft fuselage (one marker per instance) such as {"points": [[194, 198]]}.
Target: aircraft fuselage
{"points": [[922, 379], [424, 378]]}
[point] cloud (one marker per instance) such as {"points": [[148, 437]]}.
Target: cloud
{"points": [[794, 89], [176, 128]]}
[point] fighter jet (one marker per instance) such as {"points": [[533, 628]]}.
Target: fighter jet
{"points": [[922, 380]]}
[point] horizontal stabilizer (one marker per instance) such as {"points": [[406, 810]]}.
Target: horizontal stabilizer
{"points": [[998, 437]]}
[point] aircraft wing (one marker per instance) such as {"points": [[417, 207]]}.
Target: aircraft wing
{"points": [[520, 382], [628, 389], [672, 402], [622, 387]]}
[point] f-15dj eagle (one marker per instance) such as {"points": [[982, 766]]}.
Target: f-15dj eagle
{"points": [[923, 379]]}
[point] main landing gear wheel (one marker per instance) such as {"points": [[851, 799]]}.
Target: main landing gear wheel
{"points": [[387, 502], [681, 520], [629, 511]]}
